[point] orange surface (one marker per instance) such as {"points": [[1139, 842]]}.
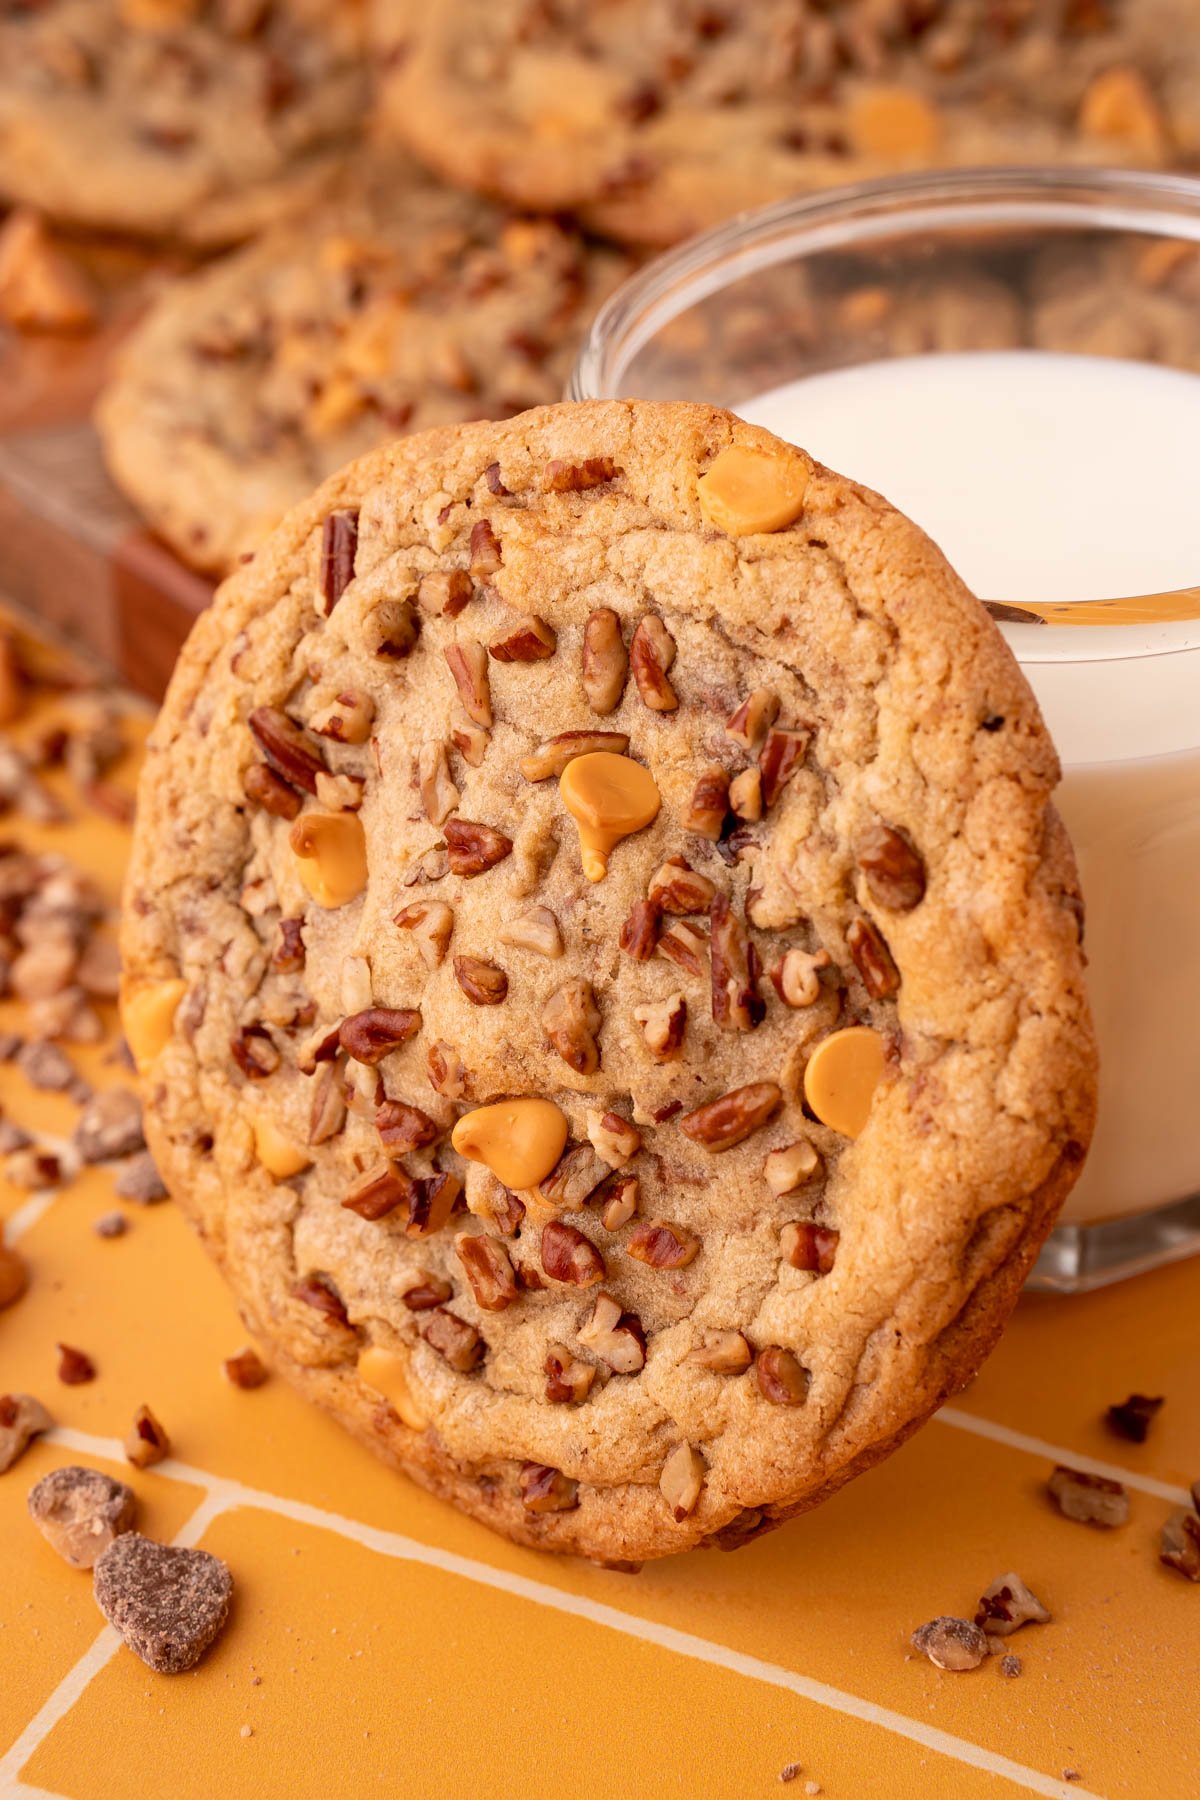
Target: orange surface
{"points": [[381, 1643]]}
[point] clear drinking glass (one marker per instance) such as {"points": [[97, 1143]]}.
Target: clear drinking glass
{"points": [[1099, 263]]}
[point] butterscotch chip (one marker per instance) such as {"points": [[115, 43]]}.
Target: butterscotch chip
{"points": [[167, 1604], [545, 1185], [80, 1512]]}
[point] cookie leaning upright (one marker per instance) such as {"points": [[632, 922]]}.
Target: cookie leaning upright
{"points": [[556, 845]]}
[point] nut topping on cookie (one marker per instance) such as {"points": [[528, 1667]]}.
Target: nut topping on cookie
{"points": [[808, 1246], [487, 1269], [527, 640], [287, 747], [663, 1024], [841, 1077], [709, 804], [484, 983], [331, 856], [571, 1019], [651, 654], [432, 924], [148, 1016], [605, 660], [569, 1256], [547, 1490], [372, 1034], [346, 719], [473, 847], [745, 491], [568, 1379], [722, 1353], [610, 798], [873, 959], [552, 757], [403, 1128], [339, 545], [749, 725], [782, 1378], [535, 930], [894, 871], [379, 1192], [616, 1337], [796, 976], [784, 748], [661, 1245], [790, 1167], [725, 1122], [520, 1141], [468, 664], [453, 1338], [681, 1480]]}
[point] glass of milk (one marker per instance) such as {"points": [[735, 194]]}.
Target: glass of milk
{"points": [[1013, 358]]}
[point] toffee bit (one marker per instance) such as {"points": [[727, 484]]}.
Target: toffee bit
{"points": [[1132, 1418], [75, 1367]]}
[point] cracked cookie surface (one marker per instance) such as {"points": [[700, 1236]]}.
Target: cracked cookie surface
{"points": [[647, 1298]]}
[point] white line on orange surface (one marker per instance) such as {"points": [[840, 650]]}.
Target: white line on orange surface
{"points": [[1032, 1446]]}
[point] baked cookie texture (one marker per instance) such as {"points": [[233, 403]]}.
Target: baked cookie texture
{"points": [[701, 1319], [659, 119], [203, 120], [402, 304]]}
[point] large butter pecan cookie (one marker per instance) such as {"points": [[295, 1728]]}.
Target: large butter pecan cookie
{"points": [[662, 117], [605, 970], [402, 304], [195, 119]]}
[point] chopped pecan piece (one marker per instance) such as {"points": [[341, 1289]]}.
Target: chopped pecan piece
{"points": [[263, 787], [808, 1246], [486, 555], [340, 793], [576, 1174], [481, 981], [661, 1245], [737, 1004], [432, 924], [545, 1490], [1180, 1544], [1133, 1417], [722, 1353], [339, 543], [782, 1377], [22, 1418], [527, 639], [453, 1338], [619, 1201], [605, 662], [571, 1019], [439, 796], [651, 654], [432, 1204], [754, 717], [75, 1367], [487, 1269], [327, 1110], [536, 930], [347, 719], [873, 959], [473, 847], [147, 1442], [470, 740], [785, 747], [1089, 1499], [950, 1643], [616, 1337], [14, 1276], [639, 933], [552, 756], [677, 888], [447, 1071], [426, 1292], [372, 1034], [444, 591], [288, 955], [569, 1256], [245, 1370], [391, 630], [254, 1053], [1007, 1605], [468, 664], [403, 1128], [380, 1191], [287, 747], [894, 870], [681, 1480], [724, 1122], [790, 1167], [709, 803], [796, 976], [686, 946], [574, 477], [319, 1292], [568, 1379], [495, 485], [613, 1138], [663, 1024]]}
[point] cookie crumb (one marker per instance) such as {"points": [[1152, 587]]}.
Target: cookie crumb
{"points": [[111, 1225], [245, 1370], [812, 1787], [140, 1181], [167, 1604], [22, 1418], [246, 1731], [1010, 1666], [791, 1772], [80, 1512], [949, 1643], [1071, 1775]]}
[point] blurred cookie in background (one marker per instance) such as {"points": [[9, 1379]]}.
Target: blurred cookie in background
{"points": [[203, 120], [404, 305], [1139, 300], [662, 117]]}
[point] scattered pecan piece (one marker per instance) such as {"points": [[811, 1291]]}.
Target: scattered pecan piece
{"points": [[287, 747], [616, 1337], [663, 1024], [568, 1256], [536, 930], [949, 1643], [263, 787], [494, 483], [613, 1138], [796, 976], [605, 662], [894, 870], [432, 1204], [639, 933], [432, 924], [618, 1202], [22, 1418], [1007, 1605], [488, 1270], [681, 1480], [327, 1109], [677, 888], [482, 982], [426, 1292], [661, 1245], [686, 946], [808, 1246], [339, 542], [784, 748], [873, 959], [470, 740], [431, 865], [110, 1125], [1089, 1499], [545, 1490], [722, 1353], [552, 756], [782, 1377], [754, 717], [75, 1367], [486, 555], [745, 796], [724, 1122], [80, 1512], [372, 1034], [1180, 1544], [379, 1191], [571, 1019], [528, 639], [347, 719], [254, 1052], [445, 592], [147, 1442], [473, 848], [709, 803], [737, 1004], [453, 1338], [319, 1292], [576, 1174], [568, 1379], [403, 1128], [1133, 1417], [651, 654], [789, 1167], [560, 477], [287, 958], [435, 784], [447, 1071], [245, 1370], [468, 664], [391, 630]]}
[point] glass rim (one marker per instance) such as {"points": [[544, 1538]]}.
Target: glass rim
{"points": [[1162, 205]]}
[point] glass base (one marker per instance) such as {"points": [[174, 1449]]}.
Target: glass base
{"points": [[1077, 1258]]}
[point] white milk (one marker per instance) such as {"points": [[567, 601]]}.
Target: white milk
{"points": [[1051, 478]]}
